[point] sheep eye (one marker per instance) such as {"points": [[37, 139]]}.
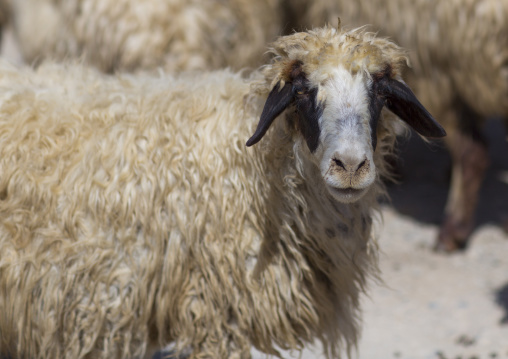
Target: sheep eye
{"points": [[300, 90]]}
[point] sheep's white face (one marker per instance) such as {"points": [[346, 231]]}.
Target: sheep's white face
{"points": [[344, 151], [337, 114]]}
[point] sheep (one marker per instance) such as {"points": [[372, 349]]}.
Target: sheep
{"points": [[129, 35], [133, 214], [459, 53]]}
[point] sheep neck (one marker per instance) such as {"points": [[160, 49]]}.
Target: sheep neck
{"points": [[324, 246]]}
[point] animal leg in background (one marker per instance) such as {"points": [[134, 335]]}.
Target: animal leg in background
{"points": [[470, 160]]}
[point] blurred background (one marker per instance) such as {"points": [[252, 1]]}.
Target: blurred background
{"points": [[443, 234]]}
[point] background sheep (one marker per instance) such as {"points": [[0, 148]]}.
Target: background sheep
{"points": [[133, 215], [459, 54], [132, 35]]}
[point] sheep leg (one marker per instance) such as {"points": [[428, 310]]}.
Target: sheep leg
{"points": [[470, 160]]}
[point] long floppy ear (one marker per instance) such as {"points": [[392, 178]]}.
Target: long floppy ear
{"points": [[276, 102], [403, 102]]}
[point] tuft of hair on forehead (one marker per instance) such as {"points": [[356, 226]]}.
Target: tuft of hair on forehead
{"points": [[328, 47]]}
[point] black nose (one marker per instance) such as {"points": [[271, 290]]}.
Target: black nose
{"points": [[350, 165]]}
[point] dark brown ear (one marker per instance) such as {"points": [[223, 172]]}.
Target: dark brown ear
{"points": [[276, 102], [403, 102]]}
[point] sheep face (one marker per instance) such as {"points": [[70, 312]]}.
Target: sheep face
{"points": [[334, 120], [335, 100], [344, 151]]}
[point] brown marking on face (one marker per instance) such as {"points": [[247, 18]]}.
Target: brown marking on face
{"points": [[386, 71], [291, 70], [330, 233]]}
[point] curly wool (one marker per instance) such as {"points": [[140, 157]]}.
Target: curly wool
{"points": [[132, 215], [132, 35]]}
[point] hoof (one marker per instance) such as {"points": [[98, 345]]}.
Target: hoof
{"points": [[453, 236], [504, 224], [449, 245]]}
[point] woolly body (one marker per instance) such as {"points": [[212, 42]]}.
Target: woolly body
{"points": [[132, 215], [132, 35], [458, 51]]}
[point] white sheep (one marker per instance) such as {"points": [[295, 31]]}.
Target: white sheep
{"points": [[132, 35], [459, 53], [132, 214]]}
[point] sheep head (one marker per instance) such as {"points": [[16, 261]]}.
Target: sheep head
{"points": [[336, 83]]}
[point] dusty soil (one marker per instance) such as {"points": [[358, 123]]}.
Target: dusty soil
{"points": [[437, 306]]}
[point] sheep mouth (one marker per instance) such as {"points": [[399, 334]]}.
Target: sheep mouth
{"points": [[347, 195]]}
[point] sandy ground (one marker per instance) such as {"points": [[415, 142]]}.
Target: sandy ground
{"points": [[438, 306], [434, 306]]}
